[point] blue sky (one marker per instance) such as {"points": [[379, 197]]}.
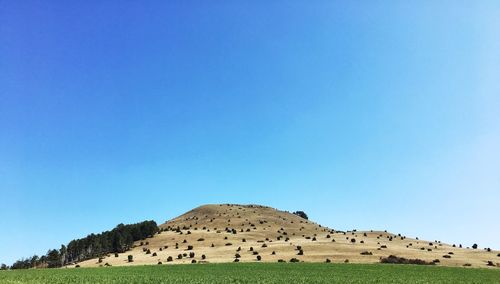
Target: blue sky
{"points": [[364, 114]]}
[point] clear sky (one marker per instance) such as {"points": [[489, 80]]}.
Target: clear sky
{"points": [[364, 114]]}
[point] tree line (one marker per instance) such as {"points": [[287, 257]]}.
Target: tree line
{"points": [[118, 240]]}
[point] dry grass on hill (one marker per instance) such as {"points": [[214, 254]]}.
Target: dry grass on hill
{"points": [[251, 233]]}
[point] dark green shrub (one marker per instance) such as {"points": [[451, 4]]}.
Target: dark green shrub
{"points": [[401, 260]]}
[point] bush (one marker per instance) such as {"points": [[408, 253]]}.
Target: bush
{"points": [[301, 214], [353, 240], [236, 260], [159, 263], [273, 253], [490, 263], [201, 239], [170, 259], [366, 253], [148, 251], [191, 254], [264, 246], [203, 257], [179, 256], [293, 260], [328, 260], [259, 258], [474, 246], [193, 261], [401, 260], [130, 258], [190, 248], [281, 260], [237, 255], [116, 254], [301, 252]]}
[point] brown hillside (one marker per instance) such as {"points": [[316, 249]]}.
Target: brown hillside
{"points": [[220, 232]]}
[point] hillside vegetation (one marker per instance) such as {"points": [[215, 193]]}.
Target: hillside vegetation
{"points": [[251, 233]]}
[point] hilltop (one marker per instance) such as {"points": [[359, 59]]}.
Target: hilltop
{"points": [[250, 233]]}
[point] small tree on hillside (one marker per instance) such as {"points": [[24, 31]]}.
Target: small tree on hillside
{"points": [[301, 214]]}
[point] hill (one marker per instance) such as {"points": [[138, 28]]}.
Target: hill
{"points": [[223, 233]]}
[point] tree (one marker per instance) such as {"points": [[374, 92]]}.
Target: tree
{"points": [[4, 267], [301, 214], [474, 246], [53, 258]]}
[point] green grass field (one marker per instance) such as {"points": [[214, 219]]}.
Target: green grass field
{"points": [[256, 273]]}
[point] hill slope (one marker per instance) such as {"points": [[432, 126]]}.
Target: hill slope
{"points": [[220, 232]]}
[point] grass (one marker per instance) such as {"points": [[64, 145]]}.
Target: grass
{"points": [[257, 273]]}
